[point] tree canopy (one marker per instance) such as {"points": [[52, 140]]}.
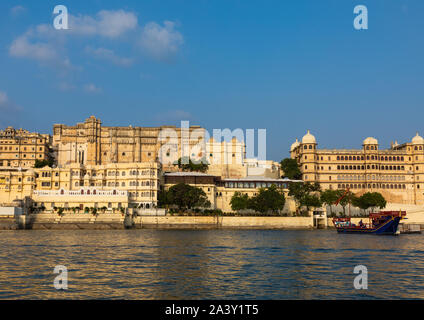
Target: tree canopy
{"points": [[42, 163], [305, 194], [371, 200], [328, 197], [239, 201], [185, 196], [186, 164], [291, 169], [269, 199]]}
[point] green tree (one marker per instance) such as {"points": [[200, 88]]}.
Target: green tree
{"points": [[348, 198], [379, 200], [239, 201], [291, 169], [328, 197], [185, 196], [371, 200], [311, 201], [186, 164], [304, 194], [268, 200], [43, 163]]}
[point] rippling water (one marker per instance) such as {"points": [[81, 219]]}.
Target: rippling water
{"points": [[209, 264]]}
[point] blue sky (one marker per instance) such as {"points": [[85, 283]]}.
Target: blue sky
{"points": [[285, 66]]}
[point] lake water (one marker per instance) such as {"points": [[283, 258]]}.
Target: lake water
{"points": [[209, 264]]}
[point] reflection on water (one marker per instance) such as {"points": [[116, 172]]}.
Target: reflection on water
{"points": [[209, 264]]}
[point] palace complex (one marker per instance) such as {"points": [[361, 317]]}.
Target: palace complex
{"points": [[397, 173], [96, 166]]}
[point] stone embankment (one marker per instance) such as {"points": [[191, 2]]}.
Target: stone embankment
{"points": [[119, 221]]}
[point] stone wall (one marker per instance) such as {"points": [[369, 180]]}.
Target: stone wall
{"points": [[116, 221]]}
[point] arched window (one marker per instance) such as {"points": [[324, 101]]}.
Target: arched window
{"points": [[338, 158]]}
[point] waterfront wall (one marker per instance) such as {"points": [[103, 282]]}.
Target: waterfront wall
{"points": [[226, 222], [118, 221]]}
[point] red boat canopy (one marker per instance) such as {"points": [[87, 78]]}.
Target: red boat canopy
{"points": [[375, 215]]}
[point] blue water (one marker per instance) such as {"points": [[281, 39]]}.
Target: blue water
{"points": [[209, 264]]}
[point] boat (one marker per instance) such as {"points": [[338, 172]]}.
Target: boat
{"points": [[383, 222]]}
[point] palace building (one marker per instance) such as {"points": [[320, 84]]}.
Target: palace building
{"points": [[21, 148], [138, 182], [91, 143], [397, 173]]}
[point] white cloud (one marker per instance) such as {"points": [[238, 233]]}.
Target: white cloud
{"points": [[50, 47], [161, 42], [41, 51], [110, 24], [92, 88], [17, 10], [109, 55]]}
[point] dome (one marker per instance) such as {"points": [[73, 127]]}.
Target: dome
{"points": [[370, 140], [294, 145], [417, 139], [308, 138]]}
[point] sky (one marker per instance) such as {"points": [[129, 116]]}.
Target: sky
{"points": [[283, 66]]}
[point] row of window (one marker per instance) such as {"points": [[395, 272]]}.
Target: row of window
{"points": [[375, 167], [381, 158], [25, 149], [116, 173], [254, 184], [16, 142], [373, 185], [142, 194], [371, 177]]}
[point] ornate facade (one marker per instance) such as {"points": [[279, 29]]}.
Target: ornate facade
{"points": [[139, 181], [21, 148], [91, 143], [397, 173]]}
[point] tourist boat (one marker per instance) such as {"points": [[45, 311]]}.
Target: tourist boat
{"points": [[383, 222]]}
